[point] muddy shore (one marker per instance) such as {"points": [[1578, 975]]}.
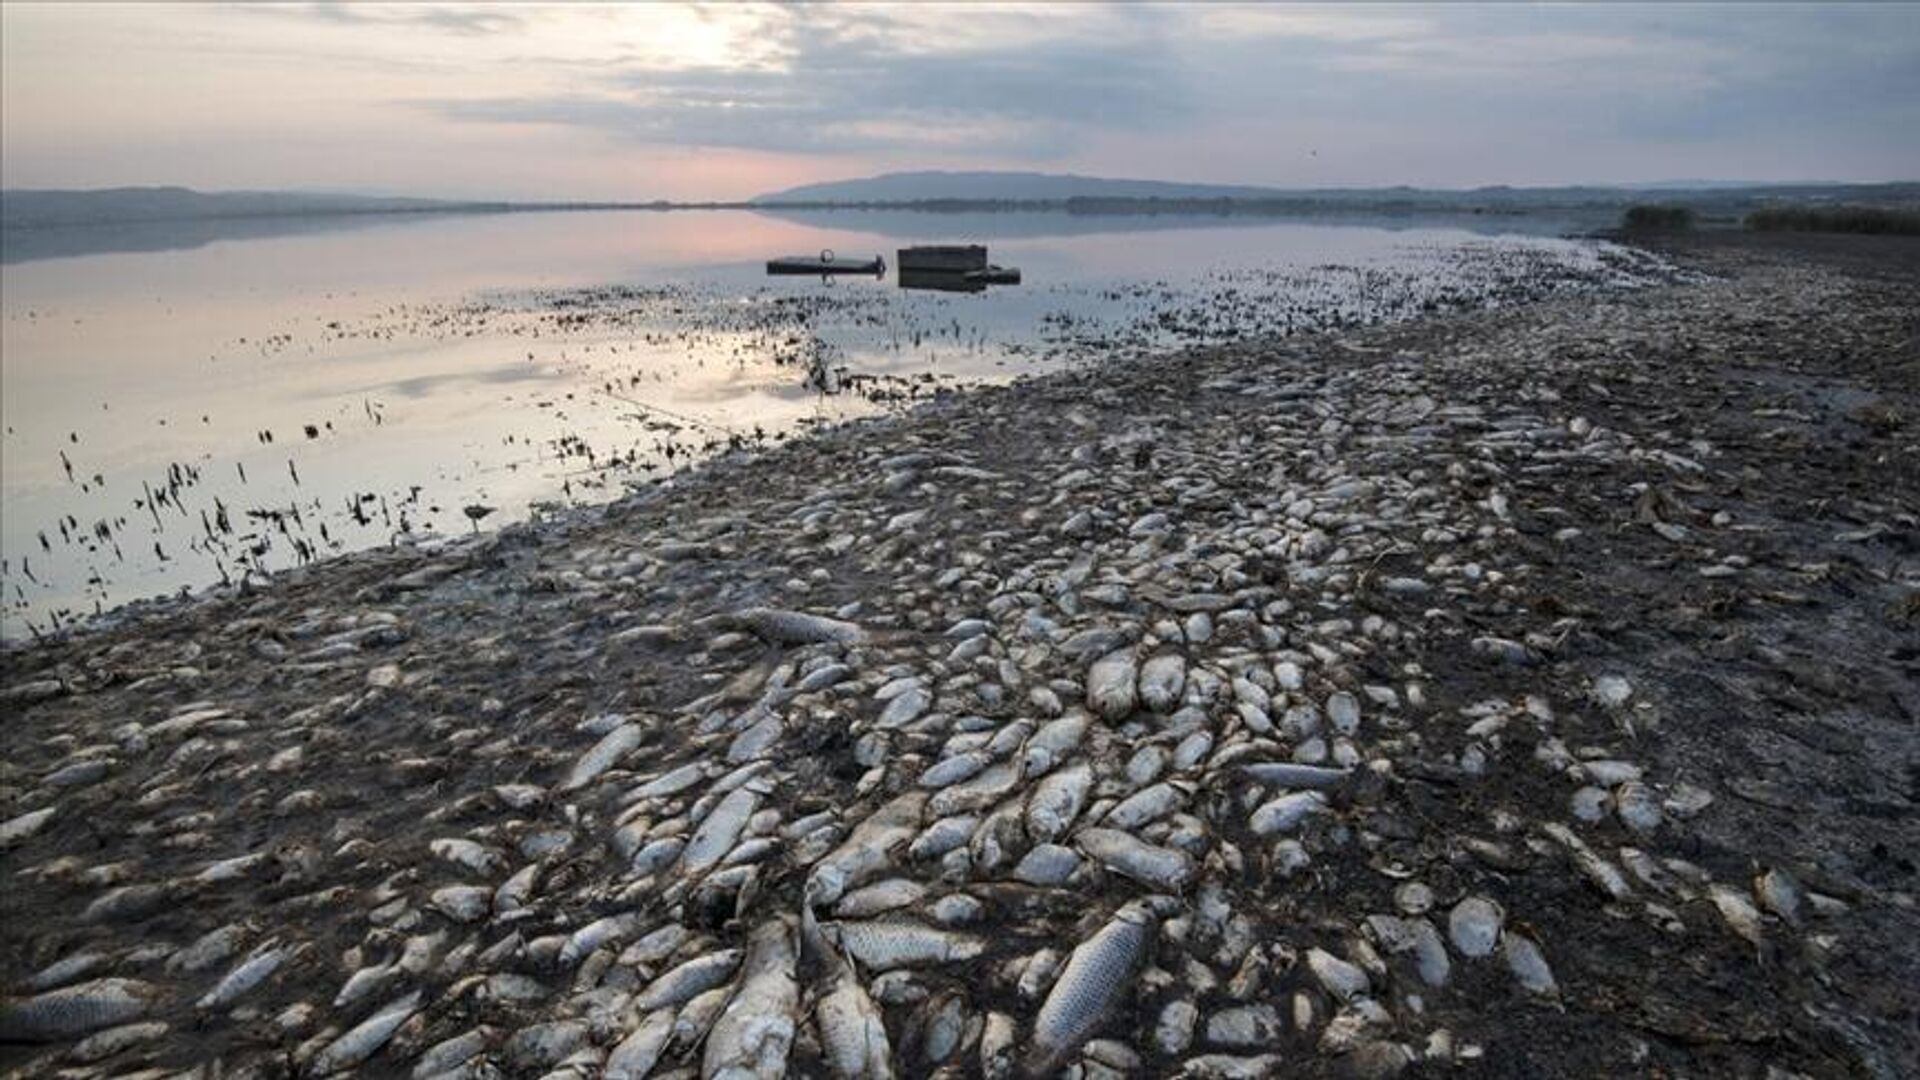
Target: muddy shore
{"points": [[1522, 693]]}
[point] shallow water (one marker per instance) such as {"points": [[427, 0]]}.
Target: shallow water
{"points": [[192, 409]]}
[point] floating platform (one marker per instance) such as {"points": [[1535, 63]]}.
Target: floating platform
{"points": [[944, 258], [825, 264], [952, 268]]}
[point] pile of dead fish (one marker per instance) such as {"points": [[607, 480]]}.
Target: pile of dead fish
{"points": [[1192, 728]]}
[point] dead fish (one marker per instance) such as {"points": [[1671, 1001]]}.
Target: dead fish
{"points": [[867, 851], [1230, 1067], [717, 833], [517, 891], [1097, 976], [753, 1035], [693, 977], [1737, 910], [998, 839], [1638, 806], [997, 1046], [449, 1054], [1336, 976], [879, 897], [943, 836], [1162, 678], [952, 770], [938, 1027], [611, 930], [1295, 777], [885, 944], [76, 1010], [1287, 812], [1112, 684], [537, 1047], [1146, 806], [461, 903], [1780, 893], [1417, 936], [468, 855], [636, 1055], [781, 627], [615, 745], [1528, 963], [114, 1040], [1343, 711], [905, 708], [19, 829], [1123, 853], [66, 970], [990, 785], [670, 783], [1053, 743], [1474, 925], [1173, 1031], [364, 1040], [853, 1032], [251, 972]]}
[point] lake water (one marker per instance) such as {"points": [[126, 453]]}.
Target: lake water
{"points": [[186, 404]]}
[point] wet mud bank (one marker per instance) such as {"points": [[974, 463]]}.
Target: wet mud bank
{"points": [[1521, 693]]}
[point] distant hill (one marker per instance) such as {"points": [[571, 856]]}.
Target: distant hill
{"points": [[33, 208], [1005, 186], [932, 190]]}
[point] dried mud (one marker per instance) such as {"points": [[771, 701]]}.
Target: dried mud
{"points": [[1624, 586]]}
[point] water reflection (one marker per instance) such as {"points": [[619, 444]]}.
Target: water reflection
{"points": [[67, 241]]}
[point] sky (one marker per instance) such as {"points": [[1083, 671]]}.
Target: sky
{"points": [[723, 101]]}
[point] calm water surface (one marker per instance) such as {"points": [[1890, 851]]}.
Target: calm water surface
{"points": [[197, 408]]}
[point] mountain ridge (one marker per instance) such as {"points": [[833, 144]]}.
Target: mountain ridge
{"points": [[1013, 186]]}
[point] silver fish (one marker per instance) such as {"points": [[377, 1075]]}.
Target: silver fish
{"points": [[449, 1054], [76, 1010], [853, 1033], [670, 783], [717, 833], [611, 930], [682, 983], [636, 1055], [883, 945], [781, 627], [615, 745], [1162, 678], [1053, 743], [1286, 774], [1097, 976], [1146, 806], [752, 1037], [368, 1037], [1057, 800], [1127, 855], [251, 972], [867, 851], [1285, 813], [1112, 684]]}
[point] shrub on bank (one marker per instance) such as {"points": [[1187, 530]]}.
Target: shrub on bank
{"points": [[1648, 218], [1840, 219]]}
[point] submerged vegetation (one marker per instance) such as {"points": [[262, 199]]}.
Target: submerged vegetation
{"points": [[1839, 219]]}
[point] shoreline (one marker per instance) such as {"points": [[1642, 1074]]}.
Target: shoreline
{"points": [[1485, 280], [1600, 607]]}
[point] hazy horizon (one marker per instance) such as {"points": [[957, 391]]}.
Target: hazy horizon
{"points": [[587, 102]]}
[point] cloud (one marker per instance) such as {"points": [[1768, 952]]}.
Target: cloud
{"points": [[723, 99], [865, 81], [452, 18]]}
